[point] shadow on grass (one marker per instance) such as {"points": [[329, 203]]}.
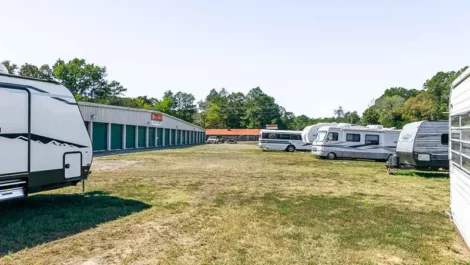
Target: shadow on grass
{"points": [[423, 174], [44, 218]]}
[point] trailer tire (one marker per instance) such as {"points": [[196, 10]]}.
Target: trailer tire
{"points": [[290, 148], [331, 156]]}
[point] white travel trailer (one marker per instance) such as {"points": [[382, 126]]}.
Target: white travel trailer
{"points": [[355, 142], [424, 145], [43, 140], [459, 110], [281, 140]]}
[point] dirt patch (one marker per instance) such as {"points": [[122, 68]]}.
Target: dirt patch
{"points": [[111, 165]]}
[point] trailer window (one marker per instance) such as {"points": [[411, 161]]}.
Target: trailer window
{"points": [[455, 121], [332, 136], [295, 137], [371, 139], [353, 137], [270, 136], [456, 158], [284, 136], [455, 146], [466, 149], [466, 163], [465, 135], [465, 120], [445, 139]]}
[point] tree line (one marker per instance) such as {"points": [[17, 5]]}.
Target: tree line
{"points": [[223, 109]]}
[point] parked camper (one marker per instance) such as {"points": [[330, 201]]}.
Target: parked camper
{"points": [[424, 145], [310, 132], [459, 110], [281, 140], [348, 141], [43, 140]]}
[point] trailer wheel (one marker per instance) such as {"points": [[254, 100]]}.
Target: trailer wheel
{"points": [[290, 148], [331, 156]]}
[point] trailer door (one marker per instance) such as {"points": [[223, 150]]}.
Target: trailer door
{"points": [[14, 131]]}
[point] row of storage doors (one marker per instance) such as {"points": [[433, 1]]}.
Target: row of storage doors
{"points": [[178, 137]]}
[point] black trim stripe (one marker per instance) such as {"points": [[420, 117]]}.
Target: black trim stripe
{"points": [[39, 138], [16, 86], [64, 101]]}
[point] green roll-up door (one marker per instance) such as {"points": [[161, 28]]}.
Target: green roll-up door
{"points": [[130, 136], [160, 136], [180, 137], [167, 137], [184, 137], [116, 136], [142, 137], [173, 137], [100, 136], [151, 137]]}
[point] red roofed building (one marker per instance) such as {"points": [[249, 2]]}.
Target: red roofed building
{"points": [[238, 134]]}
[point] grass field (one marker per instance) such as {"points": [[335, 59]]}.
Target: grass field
{"points": [[234, 204]]}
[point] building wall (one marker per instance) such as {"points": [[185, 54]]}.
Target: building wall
{"points": [[239, 138], [136, 127]]}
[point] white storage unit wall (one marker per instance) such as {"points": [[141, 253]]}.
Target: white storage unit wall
{"points": [[459, 154], [121, 125]]}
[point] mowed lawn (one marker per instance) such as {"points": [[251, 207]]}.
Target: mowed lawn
{"points": [[234, 204]]}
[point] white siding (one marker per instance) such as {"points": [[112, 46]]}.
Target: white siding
{"points": [[459, 173], [120, 115]]}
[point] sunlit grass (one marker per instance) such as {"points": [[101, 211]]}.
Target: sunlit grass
{"points": [[234, 204]]}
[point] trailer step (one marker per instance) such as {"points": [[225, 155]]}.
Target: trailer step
{"points": [[10, 194], [12, 189]]}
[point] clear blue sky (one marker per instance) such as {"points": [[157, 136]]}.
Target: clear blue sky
{"points": [[310, 55]]}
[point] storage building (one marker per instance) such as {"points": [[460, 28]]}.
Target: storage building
{"points": [[114, 128]]}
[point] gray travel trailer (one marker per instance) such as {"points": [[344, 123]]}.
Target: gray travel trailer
{"points": [[424, 145], [44, 143]]}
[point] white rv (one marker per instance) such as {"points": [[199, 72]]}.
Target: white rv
{"points": [[281, 140], [459, 153], [43, 140], [348, 141], [310, 132]]}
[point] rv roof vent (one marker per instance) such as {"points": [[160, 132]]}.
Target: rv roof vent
{"points": [[344, 125], [3, 69], [375, 126]]}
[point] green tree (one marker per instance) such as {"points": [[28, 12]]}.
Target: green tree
{"points": [[260, 109], [87, 80], [439, 87], [400, 91], [166, 104], [183, 106], [215, 117], [235, 109], [390, 111], [370, 116], [418, 108], [43, 72], [351, 117], [11, 67]]}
